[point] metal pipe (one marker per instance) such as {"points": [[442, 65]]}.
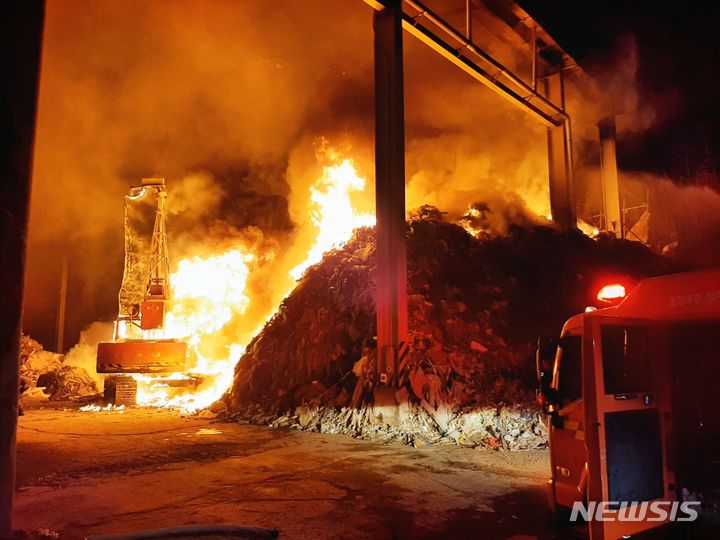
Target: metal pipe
{"points": [[609, 177], [468, 19], [427, 37], [560, 162], [61, 309], [570, 163], [426, 13], [534, 58]]}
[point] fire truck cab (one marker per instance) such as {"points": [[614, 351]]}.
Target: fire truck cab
{"points": [[632, 399]]}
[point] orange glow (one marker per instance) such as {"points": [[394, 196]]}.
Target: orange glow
{"points": [[611, 293], [587, 229], [209, 293], [332, 212]]}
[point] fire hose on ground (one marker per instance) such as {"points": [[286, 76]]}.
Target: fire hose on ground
{"points": [[229, 531]]}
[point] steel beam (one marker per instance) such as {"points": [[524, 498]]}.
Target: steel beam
{"points": [[391, 273], [471, 68], [21, 28], [609, 178], [468, 19], [61, 308], [560, 162], [496, 77], [549, 108]]}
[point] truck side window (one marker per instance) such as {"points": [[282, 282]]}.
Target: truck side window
{"points": [[626, 363], [570, 375]]}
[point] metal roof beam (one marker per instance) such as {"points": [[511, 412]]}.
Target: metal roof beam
{"points": [[533, 103]]}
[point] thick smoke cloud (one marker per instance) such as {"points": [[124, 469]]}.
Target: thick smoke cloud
{"points": [[212, 96], [229, 101]]}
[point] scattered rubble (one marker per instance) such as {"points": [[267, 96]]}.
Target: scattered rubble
{"points": [[68, 383], [476, 308], [34, 360], [509, 428], [44, 369], [208, 414], [38, 534]]}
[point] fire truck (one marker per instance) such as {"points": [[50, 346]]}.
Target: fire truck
{"points": [[631, 393]]}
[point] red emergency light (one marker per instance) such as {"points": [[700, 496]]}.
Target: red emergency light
{"points": [[612, 293]]}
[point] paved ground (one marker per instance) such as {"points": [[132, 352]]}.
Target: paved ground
{"points": [[86, 473]]}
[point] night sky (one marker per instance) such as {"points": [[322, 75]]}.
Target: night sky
{"points": [[678, 67]]}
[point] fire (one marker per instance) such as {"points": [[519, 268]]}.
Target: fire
{"points": [[210, 292], [466, 221], [587, 229], [332, 213], [207, 293]]}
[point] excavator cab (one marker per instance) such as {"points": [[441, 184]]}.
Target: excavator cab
{"points": [[152, 311]]}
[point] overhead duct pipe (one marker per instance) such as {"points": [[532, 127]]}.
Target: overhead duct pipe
{"points": [[466, 44], [536, 105]]}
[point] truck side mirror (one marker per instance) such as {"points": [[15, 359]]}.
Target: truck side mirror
{"points": [[545, 359], [547, 396]]}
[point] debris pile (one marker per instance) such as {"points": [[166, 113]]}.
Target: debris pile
{"points": [[35, 360], [509, 428], [44, 369], [476, 309]]}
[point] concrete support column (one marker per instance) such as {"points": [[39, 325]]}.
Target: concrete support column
{"points": [[391, 273], [560, 162], [21, 26], [609, 178]]}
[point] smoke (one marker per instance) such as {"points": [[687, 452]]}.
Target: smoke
{"points": [[611, 88], [683, 220], [84, 354], [230, 103], [194, 198], [134, 89]]}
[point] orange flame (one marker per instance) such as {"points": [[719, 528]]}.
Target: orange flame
{"points": [[209, 292], [333, 214]]}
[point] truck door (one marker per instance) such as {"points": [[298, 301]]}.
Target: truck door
{"points": [[567, 440], [627, 419]]}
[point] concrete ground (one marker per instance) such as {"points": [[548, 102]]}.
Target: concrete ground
{"points": [[89, 473]]}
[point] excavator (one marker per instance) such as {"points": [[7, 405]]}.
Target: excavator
{"points": [[138, 345]]}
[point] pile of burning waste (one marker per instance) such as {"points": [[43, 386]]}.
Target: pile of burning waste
{"points": [[481, 290], [477, 305]]}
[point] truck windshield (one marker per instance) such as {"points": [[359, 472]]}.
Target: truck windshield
{"points": [[570, 373]]}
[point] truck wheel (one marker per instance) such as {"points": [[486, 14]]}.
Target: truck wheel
{"points": [[562, 514]]}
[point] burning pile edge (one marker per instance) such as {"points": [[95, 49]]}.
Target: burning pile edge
{"points": [[476, 308]]}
